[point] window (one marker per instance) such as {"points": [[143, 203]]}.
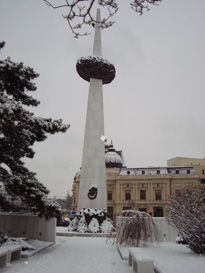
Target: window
{"points": [[126, 213], [127, 195], [143, 172], [128, 172], [158, 171], [158, 212], [202, 171], [142, 209], [143, 195], [158, 195], [188, 171], [127, 208], [109, 195], [110, 212], [177, 171]]}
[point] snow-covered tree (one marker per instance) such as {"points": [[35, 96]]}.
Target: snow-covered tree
{"points": [[68, 200], [186, 212], [19, 130], [135, 228], [82, 12]]}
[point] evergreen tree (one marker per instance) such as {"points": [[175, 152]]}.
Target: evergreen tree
{"points": [[69, 200], [19, 130]]}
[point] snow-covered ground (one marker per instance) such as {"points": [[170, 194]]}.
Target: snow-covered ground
{"points": [[94, 255], [73, 255], [173, 258]]}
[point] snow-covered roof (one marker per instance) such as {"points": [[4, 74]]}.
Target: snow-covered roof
{"points": [[77, 174], [113, 160], [157, 170], [112, 157]]}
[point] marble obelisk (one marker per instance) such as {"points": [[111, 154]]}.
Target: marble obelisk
{"points": [[92, 189]]}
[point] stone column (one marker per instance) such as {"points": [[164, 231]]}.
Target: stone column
{"points": [[92, 190], [93, 173]]}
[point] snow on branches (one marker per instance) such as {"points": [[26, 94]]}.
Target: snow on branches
{"points": [[186, 212], [141, 5], [135, 228], [19, 130], [82, 12], [82, 9]]}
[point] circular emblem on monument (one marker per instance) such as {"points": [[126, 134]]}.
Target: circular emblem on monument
{"points": [[92, 193], [96, 68]]}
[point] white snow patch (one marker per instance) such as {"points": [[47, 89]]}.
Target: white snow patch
{"points": [[106, 227], [93, 255], [102, 138], [172, 258], [93, 226], [93, 186]]}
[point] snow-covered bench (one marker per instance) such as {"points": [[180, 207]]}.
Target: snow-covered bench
{"points": [[140, 261], [14, 253], [9, 254], [3, 256]]}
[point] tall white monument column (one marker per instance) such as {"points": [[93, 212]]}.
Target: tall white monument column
{"points": [[96, 70]]}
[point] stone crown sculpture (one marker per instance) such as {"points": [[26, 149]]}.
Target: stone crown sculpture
{"points": [[96, 68]]}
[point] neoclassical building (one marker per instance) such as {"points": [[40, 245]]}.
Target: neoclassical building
{"points": [[144, 189]]}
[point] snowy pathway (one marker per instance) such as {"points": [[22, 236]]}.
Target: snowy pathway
{"points": [[73, 255]]}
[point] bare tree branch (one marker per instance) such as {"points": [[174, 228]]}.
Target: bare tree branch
{"points": [[80, 10], [141, 5]]}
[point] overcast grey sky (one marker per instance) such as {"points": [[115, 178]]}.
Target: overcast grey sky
{"points": [[154, 109]]}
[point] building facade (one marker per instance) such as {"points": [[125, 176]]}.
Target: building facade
{"points": [[144, 189]]}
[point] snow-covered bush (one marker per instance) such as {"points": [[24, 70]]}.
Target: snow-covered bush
{"points": [[91, 221], [73, 224], [82, 225], [186, 212], [3, 237], [94, 226], [136, 228], [106, 227]]}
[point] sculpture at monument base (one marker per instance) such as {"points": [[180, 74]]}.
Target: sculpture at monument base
{"points": [[91, 221]]}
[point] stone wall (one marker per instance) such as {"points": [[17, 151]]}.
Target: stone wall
{"points": [[167, 232], [32, 227]]}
